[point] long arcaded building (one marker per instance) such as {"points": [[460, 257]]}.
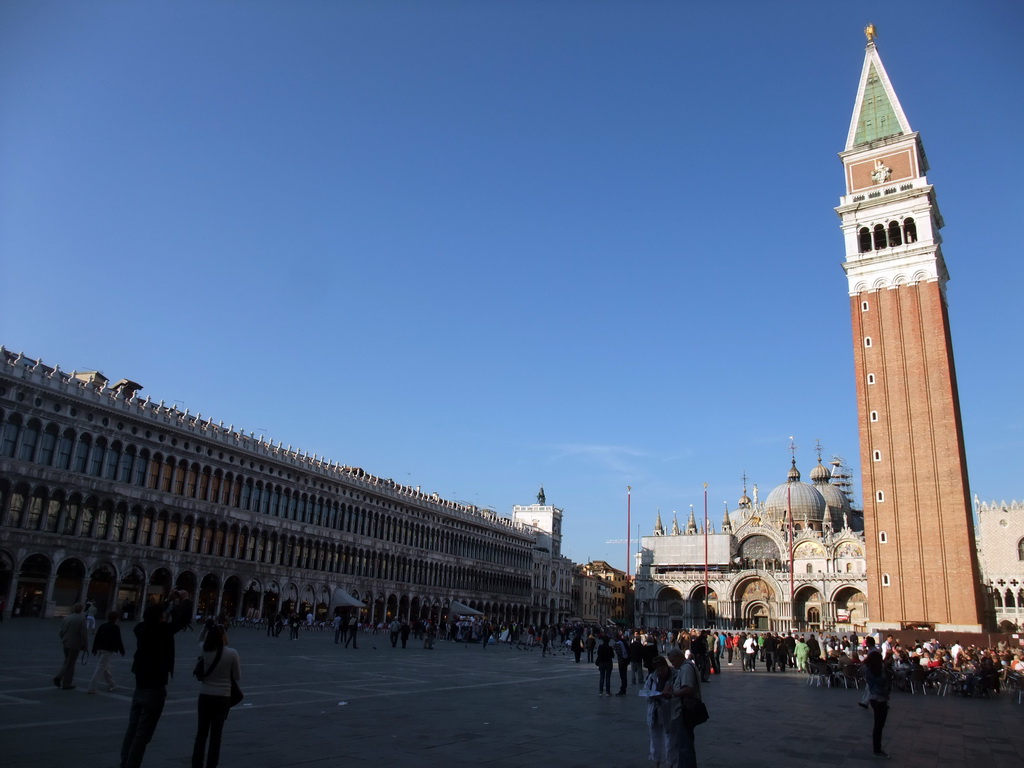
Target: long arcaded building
{"points": [[109, 497]]}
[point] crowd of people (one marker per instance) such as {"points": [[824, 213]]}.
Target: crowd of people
{"points": [[668, 667]]}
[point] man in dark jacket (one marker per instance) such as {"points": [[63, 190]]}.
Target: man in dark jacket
{"points": [[699, 651], [770, 649], [153, 665], [106, 643], [814, 649], [636, 659]]}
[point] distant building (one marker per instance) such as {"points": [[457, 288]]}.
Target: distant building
{"points": [[1001, 554], [621, 589], [552, 581], [592, 597], [749, 582], [108, 497]]}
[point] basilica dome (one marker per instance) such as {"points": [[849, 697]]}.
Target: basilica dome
{"points": [[805, 501]]}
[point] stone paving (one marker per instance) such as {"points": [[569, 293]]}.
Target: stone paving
{"points": [[312, 703]]}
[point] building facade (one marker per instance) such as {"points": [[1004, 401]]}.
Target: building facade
{"points": [[923, 568], [740, 576], [1001, 555], [108, 497], [620, 586], [592, 598], [552, 583]]}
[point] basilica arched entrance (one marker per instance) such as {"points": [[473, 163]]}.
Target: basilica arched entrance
{"points": [[703, 610], [851, 609], [669, 609], [808, 608], [757, 616], [754, 596]]}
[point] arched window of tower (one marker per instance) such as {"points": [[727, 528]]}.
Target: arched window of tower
{"points": [[879, 233], [909, 231], [864, 239], [894, 234]]}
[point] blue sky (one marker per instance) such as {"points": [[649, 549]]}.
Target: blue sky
{"points": [[484, 246]]}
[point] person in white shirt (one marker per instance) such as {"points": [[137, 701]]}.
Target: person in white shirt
{"points": [[220, 667], [750, 653]]}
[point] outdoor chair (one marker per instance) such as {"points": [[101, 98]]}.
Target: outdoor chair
{"points": [[850, 675], [821, 673], [938, 680], [1015, 683], [917, 678]]}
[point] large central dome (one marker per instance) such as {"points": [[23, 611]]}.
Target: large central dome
{"points": [[804, 501]]}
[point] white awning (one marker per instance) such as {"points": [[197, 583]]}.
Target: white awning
{"points": [[461, 609], [343, 598]]}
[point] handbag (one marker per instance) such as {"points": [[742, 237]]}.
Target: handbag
{"points": [[694, 712], [236, 693]]}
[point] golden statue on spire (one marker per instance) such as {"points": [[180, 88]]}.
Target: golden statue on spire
{"points": [[870, 33]]}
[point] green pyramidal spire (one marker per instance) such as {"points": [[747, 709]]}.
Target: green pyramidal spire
{"points": [[877, 117], [877, 113]]}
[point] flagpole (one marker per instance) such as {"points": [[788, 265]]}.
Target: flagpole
{"points": [[789, 514], [706, 601], [629, 525]]}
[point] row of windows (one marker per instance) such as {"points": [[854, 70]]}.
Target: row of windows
{"points": [[71, 515], [113, 461], [873, 415], [1008, 599], [881, 236]]}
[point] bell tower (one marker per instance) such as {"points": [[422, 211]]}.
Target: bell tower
{"points": [[922, 561]]}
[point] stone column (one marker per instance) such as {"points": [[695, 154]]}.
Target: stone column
{"points": [[51, 580]]}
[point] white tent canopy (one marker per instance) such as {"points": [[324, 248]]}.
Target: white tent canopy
{"points": [[344, 599], [461, 609]]}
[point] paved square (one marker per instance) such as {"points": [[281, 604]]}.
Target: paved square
{"points": [[312, 703]]}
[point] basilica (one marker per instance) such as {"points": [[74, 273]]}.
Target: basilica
{"points": [[794, 560]]}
